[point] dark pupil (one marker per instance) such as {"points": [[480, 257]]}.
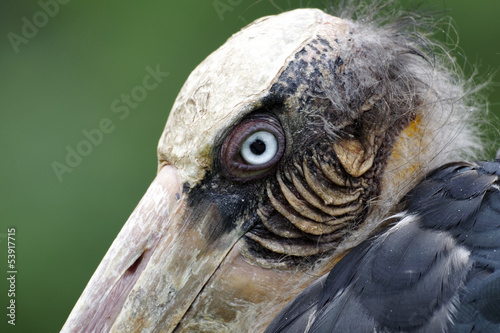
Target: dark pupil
{"points": [[258, 147]]}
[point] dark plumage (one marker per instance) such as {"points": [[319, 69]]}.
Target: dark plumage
{"points": [[435, 268]]}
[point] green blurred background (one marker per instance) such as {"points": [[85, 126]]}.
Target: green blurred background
{"points": [[64, 79]]}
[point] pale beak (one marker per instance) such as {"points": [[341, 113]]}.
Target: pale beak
{"points": [[165, 272]]}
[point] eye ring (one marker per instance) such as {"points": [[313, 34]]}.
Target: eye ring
{"points": [[240, 160]]}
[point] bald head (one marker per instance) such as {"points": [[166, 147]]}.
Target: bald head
{"points": [[234, 79]]}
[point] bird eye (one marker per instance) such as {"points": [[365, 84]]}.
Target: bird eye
{"points": [[259, 148], [253, 148]]}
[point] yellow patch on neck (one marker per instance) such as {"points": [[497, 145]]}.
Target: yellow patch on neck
{"points": [[405, 162], [413, 127]]}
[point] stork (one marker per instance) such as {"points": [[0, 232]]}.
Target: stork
{"points": [[310, 155]]}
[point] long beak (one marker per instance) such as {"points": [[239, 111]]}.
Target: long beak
{"points": [[162, 273]]}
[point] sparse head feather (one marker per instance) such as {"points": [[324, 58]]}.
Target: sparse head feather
{"points": [[445, 126]]}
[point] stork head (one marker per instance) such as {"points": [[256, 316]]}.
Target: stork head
{"points": [[285, 148]]}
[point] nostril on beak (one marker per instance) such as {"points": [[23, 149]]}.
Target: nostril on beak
{"points": [[137, 262]]}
